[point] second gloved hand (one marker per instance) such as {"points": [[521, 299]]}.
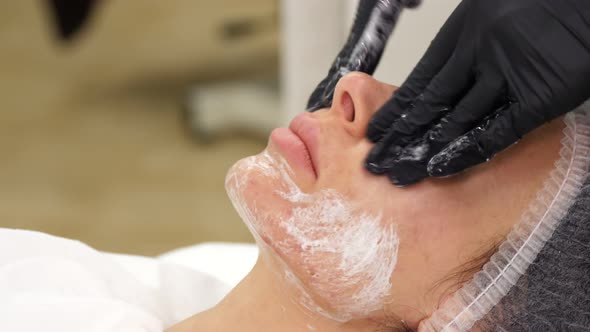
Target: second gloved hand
{"points": [[495, 71]]}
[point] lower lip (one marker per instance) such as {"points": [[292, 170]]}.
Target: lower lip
{"points": [[292, 148]]}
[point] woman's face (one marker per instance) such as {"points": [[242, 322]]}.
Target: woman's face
{"points": [[354, 245]]}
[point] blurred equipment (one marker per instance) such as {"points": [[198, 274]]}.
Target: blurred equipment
{"points": [[70, 16], [248, 107]]}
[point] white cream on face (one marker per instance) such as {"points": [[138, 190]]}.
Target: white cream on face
{"points": [[339, 258]]}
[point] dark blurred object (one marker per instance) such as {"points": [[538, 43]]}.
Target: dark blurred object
{"points": [[248, 27], [70, 16]]}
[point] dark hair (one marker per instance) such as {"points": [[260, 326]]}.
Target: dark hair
{"points": [[454, 281]]}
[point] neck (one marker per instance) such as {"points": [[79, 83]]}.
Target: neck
{"points": [[262, 301]]}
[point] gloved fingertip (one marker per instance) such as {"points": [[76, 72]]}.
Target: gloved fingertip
{"points": [[376, 161], [374, 168], [459, 155], [446, 168], [374, 134], [318, 101], [375, 156], [402, 182], [435, 169], [377, 129], [406, 172], [321, 97], [401, 179], [312, 107]]}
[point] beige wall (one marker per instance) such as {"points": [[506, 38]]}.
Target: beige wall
{"points": [[92, 143]]}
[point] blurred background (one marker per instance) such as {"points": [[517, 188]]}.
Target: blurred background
{"points": [[121, 135]]}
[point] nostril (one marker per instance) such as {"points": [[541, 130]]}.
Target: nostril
{"points": [[347, 107]]}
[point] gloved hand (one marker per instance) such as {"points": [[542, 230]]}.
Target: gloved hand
{"points": [[495, 71], [373, 24]]}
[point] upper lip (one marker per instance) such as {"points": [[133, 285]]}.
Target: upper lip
{"points": [[307, 129]]}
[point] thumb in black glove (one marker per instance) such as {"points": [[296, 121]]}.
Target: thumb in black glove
{"points": [[495, 71]]}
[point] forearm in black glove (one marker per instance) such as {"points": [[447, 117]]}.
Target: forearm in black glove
{"points": [[373, 24], [495, 71]]}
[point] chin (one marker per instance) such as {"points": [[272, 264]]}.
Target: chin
{"points": [[253, 185]]}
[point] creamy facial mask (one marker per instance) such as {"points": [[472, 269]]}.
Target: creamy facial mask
{"points": [[339, 257]]}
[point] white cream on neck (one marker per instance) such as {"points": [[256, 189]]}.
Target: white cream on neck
{"points": [[338, 257]]}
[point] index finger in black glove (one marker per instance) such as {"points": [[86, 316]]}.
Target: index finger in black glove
{"points": [[506, 127]]}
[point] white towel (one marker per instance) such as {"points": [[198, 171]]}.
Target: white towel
{"points": [[50, 284]]}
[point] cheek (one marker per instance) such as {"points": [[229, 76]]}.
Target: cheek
{"points": [[346, 174], [341, 257]]}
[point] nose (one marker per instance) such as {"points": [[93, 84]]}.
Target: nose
{"points": [[356, 98]]}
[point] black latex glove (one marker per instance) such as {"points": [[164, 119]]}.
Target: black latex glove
{"points": [[495, 71], [373, 24]]}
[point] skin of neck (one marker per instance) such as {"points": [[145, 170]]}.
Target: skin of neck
{"points": [[264, 301]]}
